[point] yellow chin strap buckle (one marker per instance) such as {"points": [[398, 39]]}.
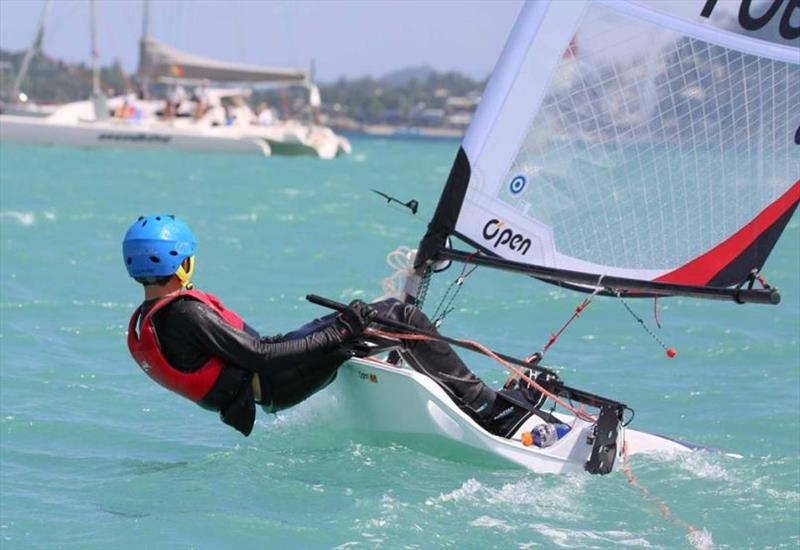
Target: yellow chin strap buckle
{"points": [[186, 275]]}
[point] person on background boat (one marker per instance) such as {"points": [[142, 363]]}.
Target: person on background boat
{"points": [[190, 343], [265, 114]]}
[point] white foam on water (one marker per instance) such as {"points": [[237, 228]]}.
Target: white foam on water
{"points": [[467, 491], [387, 516], [785, 496], [703, 465], [492, 523], [24, 218], [571, 538], [541, 496], [560, 497], [700, 539]]}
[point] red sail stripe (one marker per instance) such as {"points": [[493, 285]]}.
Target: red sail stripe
{"points": [[705, 267]]}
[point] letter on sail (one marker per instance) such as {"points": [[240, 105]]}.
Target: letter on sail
{"points": [[634, 139]]}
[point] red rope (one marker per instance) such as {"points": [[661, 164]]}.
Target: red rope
{"points": [[578, 311], [662, 506]]}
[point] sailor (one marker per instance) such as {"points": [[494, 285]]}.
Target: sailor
{"points": [[265, 114], [190, 343]]}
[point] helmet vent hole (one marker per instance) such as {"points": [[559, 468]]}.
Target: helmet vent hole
{"points": [[158, 218], [144, 223], [130, 260], [155, 259], [173, 253]]}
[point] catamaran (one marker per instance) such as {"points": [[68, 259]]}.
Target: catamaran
{"points": [[626, 148], [88, 123]]}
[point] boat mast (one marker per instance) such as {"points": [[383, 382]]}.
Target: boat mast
{"points": [[98, 97], [144, 80], [440, 228], [36, 46], [95, 67]]}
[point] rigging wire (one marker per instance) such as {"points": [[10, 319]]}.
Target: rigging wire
{"points": [[670, 352], [444, 309], [424, 285]]}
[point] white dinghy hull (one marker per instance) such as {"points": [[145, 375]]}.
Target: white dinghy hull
{"points": [[378, 397]]}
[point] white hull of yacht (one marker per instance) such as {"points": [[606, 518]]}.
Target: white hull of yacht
{"points": [[122, 134], [378, 397], [289, 138], [27, 109]]}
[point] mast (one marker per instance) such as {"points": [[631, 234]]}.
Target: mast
{"points": [[144, 80], [95, 67], [36, 46], [98, 97]]}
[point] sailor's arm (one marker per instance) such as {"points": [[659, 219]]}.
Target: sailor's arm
{"points": [[203, 327]]}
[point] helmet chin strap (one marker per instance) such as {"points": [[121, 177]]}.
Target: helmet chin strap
{"points": [[185, 276]]}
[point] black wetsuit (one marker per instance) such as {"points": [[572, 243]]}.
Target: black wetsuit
{"points": [[293, 366]]}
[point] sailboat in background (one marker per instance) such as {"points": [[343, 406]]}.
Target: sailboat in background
{"points": [[159, 62], [18, 103], [659, 157], [207, 127]]}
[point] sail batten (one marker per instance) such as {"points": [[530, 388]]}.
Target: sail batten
{"points": [[616, 137]]}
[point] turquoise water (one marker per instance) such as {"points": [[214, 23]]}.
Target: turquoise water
{"points": [[94, 455]]}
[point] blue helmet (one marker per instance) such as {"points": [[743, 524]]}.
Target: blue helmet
{"points": [[155, 246]]}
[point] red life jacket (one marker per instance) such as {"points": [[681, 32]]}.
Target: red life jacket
{"points": [[144, 347]]}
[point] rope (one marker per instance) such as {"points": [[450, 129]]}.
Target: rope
{"points": [[401, 259], [662, 506], [669, 351], [486, 351], [578, 311], [655, 311]]}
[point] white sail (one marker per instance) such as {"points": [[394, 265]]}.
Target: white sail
{"points": [[648, 140]]}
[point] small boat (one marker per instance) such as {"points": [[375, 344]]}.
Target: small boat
{"points": [[377, 396], [622, 148]]}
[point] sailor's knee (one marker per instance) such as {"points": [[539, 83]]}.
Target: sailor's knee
{"points": [[414, 316]]}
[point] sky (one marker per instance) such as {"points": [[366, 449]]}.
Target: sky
{"points": [[344, 38]]}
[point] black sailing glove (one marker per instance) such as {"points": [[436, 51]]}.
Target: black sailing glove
{"points": [[352, 321]]}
